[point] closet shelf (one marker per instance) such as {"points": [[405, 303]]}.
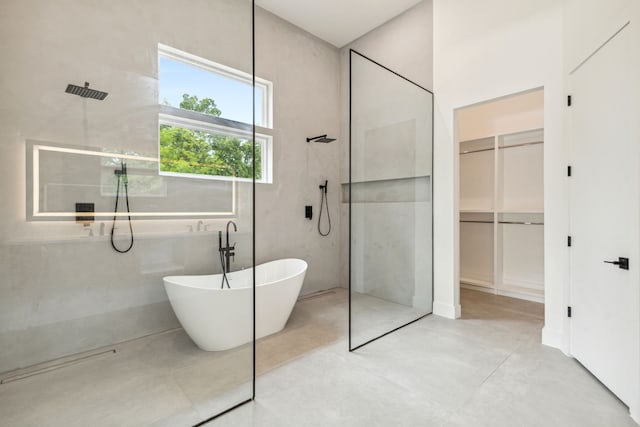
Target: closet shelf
{"points": [[476, 151], [503, 211], [502, 214], [502, 222], [520, 211], [521, 222], [488, 211], [524, 144]]}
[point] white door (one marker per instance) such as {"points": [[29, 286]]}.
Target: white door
{"points": [[604, 132]]}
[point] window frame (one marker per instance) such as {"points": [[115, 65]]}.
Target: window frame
{"points": [[266, 121], [193, 120]]}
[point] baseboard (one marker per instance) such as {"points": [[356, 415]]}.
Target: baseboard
{"points": [[420, 302], [448, 311], [554, 338]]}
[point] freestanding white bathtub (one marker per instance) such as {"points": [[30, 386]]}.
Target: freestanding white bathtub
{"points": [[219, 319]]}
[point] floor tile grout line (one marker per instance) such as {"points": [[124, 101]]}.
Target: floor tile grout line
{"points": [[478, 388], [496, 369]]}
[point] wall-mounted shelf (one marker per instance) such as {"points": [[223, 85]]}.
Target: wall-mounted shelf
{"points": [[502, 215]]}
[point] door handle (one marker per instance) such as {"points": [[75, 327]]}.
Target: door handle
{"points": [[622, 263]]}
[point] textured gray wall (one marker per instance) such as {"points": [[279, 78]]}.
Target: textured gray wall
{"points": [[63, 291], [306, 78], [405, 45]]}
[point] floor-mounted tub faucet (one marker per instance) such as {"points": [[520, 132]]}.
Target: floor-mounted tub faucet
{"points": [[228, 250]]}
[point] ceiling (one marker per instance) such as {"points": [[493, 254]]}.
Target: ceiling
{"points": [[338, 22]]}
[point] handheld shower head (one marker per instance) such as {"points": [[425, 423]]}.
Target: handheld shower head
{"points": [[321, 138]]}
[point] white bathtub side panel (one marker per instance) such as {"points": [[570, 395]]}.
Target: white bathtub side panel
{"points": [[278, 270], [215, 319], [274, 304]]}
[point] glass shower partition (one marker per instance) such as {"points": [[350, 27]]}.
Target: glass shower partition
{"points": [[127, 145], [390, 203]]}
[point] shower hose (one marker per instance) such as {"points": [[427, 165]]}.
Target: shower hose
{"points": [[122, 176], [324, 202]]}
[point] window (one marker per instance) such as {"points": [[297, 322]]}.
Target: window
{"points": [[205, 119]]}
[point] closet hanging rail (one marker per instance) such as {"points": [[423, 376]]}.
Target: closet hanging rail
{"points": [[521, 222], [476, 151], [476, 221], [524, 144]]}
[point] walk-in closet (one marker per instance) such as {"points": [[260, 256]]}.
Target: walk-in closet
{"points": [[501, 147]]}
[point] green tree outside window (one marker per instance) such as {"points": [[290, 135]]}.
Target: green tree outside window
{"points": [[196, 152]]}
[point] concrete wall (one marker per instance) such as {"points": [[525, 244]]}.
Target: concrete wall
{"points": [[63, 291], [391, 165], [404, 44], [305, 75]]}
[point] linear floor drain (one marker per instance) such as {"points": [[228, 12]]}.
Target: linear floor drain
{"points": [[316, 295], [53, 365]]}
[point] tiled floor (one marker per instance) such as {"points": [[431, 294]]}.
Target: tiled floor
{"points": [[372, 317], [164, 379], [486, 370]]}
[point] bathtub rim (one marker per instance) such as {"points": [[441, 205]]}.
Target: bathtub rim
{"points": [[168, 279]]}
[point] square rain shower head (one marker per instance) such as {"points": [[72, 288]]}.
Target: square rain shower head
{"points": [[85, 92], [321, 138]]}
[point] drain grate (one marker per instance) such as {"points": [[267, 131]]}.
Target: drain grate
{"points": [[316, 295], [53, 365]]}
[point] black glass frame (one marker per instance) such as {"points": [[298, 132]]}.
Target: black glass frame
{"points": [[352, 52], [253, 226]]}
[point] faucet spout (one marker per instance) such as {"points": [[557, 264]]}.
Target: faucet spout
{"points": [[228, 250]]}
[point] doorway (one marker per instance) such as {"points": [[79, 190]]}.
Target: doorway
{"points": [[501, 199]]}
